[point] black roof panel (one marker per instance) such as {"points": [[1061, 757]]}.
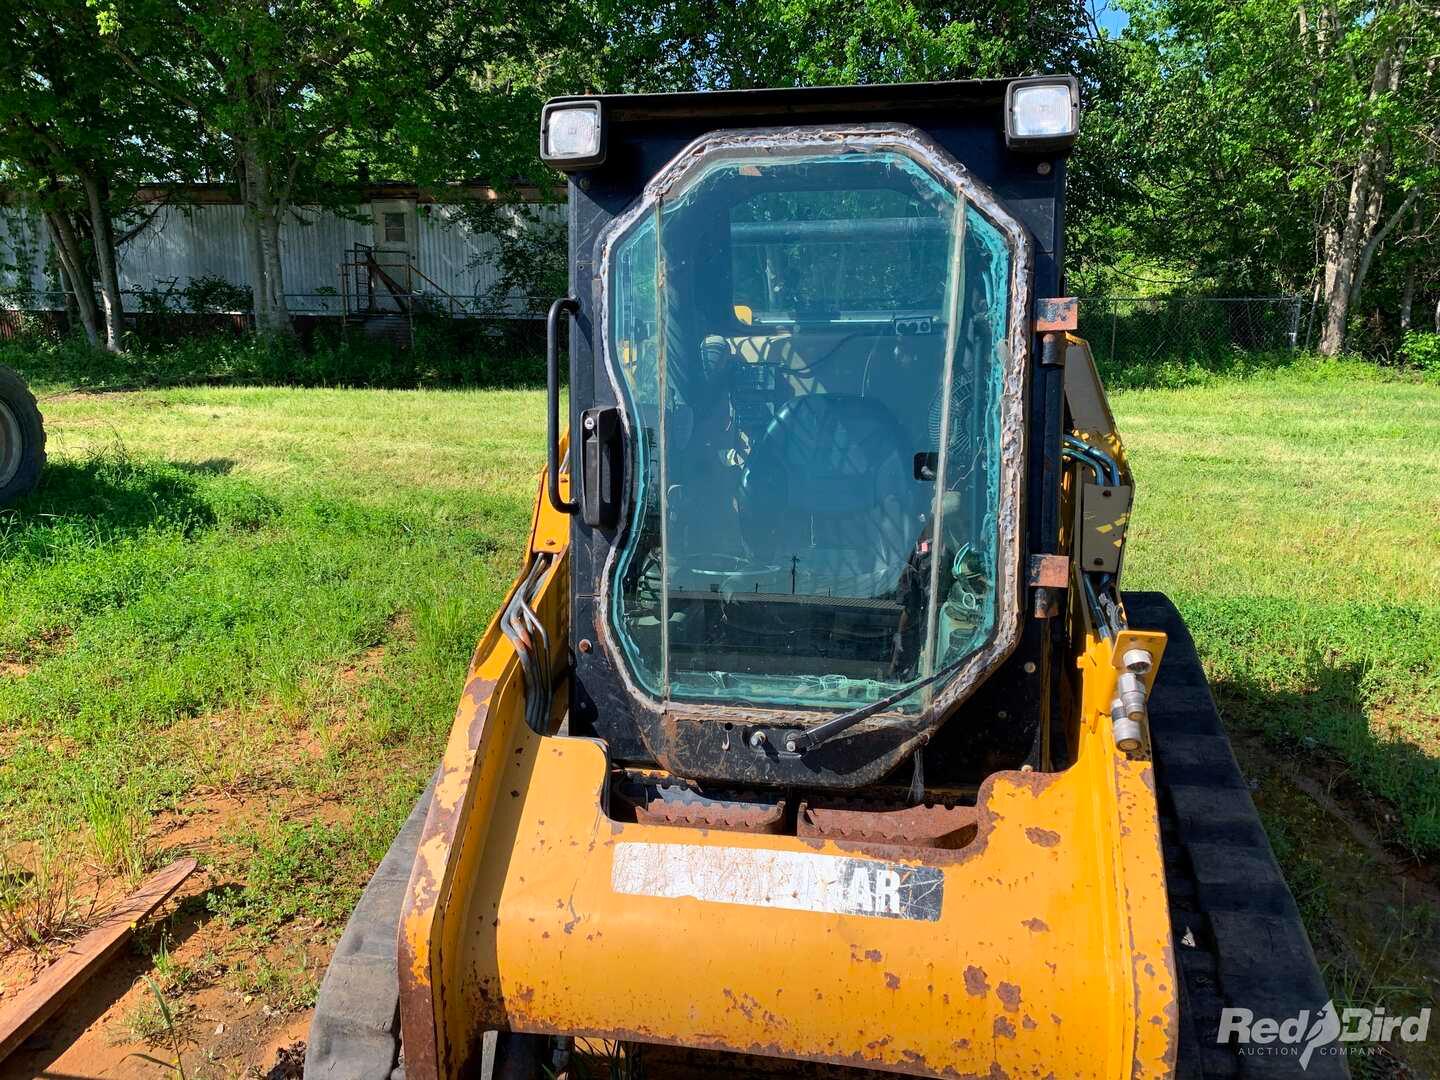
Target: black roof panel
{"points": [[872, 99]]}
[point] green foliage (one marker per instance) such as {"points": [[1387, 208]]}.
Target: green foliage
{"points": [[1421, 350], [650, 45], [209, 293], [529, 255], [1221, 149], [446, 353]]}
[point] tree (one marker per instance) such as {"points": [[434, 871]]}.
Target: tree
{"points": [[1263, 145], [267, 85], [77, 142], [715, 44]]}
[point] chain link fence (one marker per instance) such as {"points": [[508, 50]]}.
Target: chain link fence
{"points": [[1143, 330]]}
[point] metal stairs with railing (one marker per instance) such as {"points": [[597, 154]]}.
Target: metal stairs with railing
{"points": [[379, 295]]}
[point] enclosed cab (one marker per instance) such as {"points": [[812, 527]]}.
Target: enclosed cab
{"points": [[816, 440]]}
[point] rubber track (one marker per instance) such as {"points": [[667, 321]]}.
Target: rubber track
{"points": [[1227, 894], [355, 1033]]}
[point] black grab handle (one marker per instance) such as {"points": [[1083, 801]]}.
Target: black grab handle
{"points": [[567, 305]]}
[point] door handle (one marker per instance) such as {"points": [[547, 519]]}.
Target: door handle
{"points": [[567, 305]]}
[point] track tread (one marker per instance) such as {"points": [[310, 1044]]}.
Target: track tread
{"points": [[1226, 890], [355, 1033]]}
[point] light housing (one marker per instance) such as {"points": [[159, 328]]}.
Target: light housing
{"points": [[572, 134], [1042, 113]]}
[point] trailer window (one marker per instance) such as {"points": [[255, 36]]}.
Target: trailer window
{"points": [[811, 349]]}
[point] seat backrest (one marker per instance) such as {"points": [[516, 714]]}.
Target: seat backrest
{"points": [[830, 489]]}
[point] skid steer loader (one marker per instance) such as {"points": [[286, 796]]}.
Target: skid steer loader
{"points": [[815, 728]]}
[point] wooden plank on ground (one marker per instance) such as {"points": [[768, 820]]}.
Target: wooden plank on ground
{"points": [[52, 988]]}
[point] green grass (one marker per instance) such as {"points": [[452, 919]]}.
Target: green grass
{"points": [[269, 596], [261, 594], [1294, 516]]}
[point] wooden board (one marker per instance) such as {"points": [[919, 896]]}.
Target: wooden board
{"points": [[39, 1001]]}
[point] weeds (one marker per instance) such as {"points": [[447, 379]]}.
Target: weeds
{"points": [[289, 985], [310, 869], [148, 1025], [117, 831], [39, 905], [444, 354]]}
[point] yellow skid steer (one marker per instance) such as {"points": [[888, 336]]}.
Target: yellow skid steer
{"points": [[815, 728]]}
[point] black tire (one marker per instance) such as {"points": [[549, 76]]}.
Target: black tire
{"points": [[22, 438]]}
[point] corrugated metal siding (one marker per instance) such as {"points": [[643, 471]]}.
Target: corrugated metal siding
{"points": [[453, 256], [24, 252], [461, 261], [182, 243], [187, 242], [311, 252]]}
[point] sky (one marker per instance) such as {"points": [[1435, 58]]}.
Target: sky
{"points": [[1110, 18]]}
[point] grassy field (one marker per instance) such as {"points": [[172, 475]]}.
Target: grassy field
{"points": [[236, 621], [1295, 519]]}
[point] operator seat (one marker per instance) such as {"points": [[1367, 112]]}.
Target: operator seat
{"points": [[828, 493]]}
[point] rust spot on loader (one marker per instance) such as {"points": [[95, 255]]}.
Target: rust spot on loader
{"points": [[1036, 926], [1004, 1027], [1042, 837], [1009, 995], [975, 982]]}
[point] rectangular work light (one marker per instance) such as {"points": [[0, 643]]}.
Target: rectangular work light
{"points": [[572, 134], [1042, 113]]}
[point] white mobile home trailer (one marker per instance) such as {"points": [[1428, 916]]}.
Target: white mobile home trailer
{"points": [[201, 234]]}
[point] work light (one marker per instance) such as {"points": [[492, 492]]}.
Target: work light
{"points": [[572, 134], [1042, 113]]}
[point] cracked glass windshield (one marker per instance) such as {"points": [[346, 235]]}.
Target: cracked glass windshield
{"points": [[811, 350]]}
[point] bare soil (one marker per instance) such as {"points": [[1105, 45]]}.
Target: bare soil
{"points": [[111, 1028]]}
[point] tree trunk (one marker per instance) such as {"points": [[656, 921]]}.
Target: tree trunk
{"points": [[1343, 243], [67, 293], [102, 229], [1377, 237], [1407, 300], [77, 270], [254, 255], [272, 316], [270, 222]]}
